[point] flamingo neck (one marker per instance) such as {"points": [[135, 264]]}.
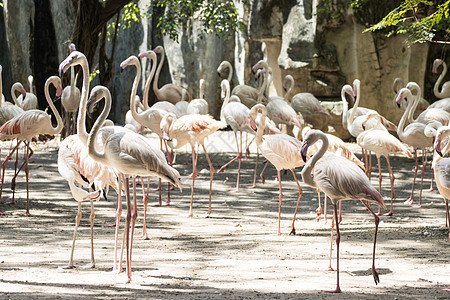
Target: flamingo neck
{"points": [[59, 120], [230, 70], [81, 120], [155, 82], [137, 78], [352, 115], [97, 125], [401, 125], [147, 84], [14, 88], [291, 84], [72, 81], [436, 91], [262, 89], [262, 125], [344, 109], [202, 89], [306, 172], [414, 87], [226, 87]]}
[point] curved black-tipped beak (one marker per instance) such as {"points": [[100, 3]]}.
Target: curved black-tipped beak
{"points": [[303, 151], [398, 104], [57, 98], [439, 152], [364, 127]]}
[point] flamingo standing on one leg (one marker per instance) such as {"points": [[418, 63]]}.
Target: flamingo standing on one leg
{"points": [[381, 142], [236, 115], [340, 180], [27, 125], [192, 129], [132, 155], [282, 151]]}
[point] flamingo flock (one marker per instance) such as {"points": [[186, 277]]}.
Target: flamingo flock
{"points": [[112, 156]]}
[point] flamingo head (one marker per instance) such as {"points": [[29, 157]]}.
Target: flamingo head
{"points": [[149, 54], [72, 47], [260, 64], [159, 49], [132, 60], [436, 64], [437, 146], [404, 93], [74, 58]]}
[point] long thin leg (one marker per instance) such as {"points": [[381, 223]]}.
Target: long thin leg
{"points": [[319, 209], [263, 180], [133, 224], [256, 169], [194, 175], [144, 235], [391, 174], [432, 180], [424, 166], [118, 268], [330, 268], [127, 225], [300, 192], [280, 198], [211, 172], [380, 179], [377, 221], [27, 177], [447, 215], [325, 205], [338, 241], [239, 166], [77, 224], [4, 163], [410, 200], [232, 160], [91, 219], [13, 180]]}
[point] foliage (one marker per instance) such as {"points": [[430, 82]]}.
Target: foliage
{"points": [[419, 19], [130, 15]]}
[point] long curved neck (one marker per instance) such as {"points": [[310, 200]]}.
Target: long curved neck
{"points": [[262, 89], [93, 134], [133, 110], [436, 91], [202, 89], [81, 120], [59, 120], [15, 88], [416, 100], [30, 83], [147, 84], [155, 82], [306, 172], [291, 84], [230, 70], [72, 81], [344, 109], [225, 102], [262, 126], [352, 115], [401, 125]]}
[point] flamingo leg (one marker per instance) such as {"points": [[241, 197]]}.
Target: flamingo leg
{"points": [[4, 163], [170, 161], [13, 180], [27, 177], [263, 170], [447, 215], [194, 175], [256, 169], [380, 179], [411, 198], [134, 215], [319, 209], [392, 177], [330, 268], [377, 221], [91, 219], [280, 198], [211, 172], [432, 180], [77, 224], [424, 166], [239, 166], [370, 165], [338, 241], [127, 225], [340, 212], [300, 192], [116, 268], [144, 235], [235, 158], [325, 205]]}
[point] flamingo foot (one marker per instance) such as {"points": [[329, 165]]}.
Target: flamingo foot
{"points": [[362, 208], [126, 281], [221, 169], [156, 204], [409, 201], [90, 265], [430, 189], [68, 267], [155, 189], [112, 224], [263, 180], [318, 213], [191, 214], [28, 214], [252, 186], [389, 213], [2, 213], [167, 203], [337, 290], [116, 271], [330, 268], [292, 231], [11, 202], [235, 191], [375, 276], [144, 237], [417, 205]]}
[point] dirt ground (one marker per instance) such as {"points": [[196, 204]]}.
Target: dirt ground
{"points": [[234, 254]]}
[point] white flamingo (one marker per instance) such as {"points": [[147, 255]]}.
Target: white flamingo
{"points": [[445, 90], [71, 96], [199, 105]]}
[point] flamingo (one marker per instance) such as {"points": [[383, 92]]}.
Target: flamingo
{"points": [[199, 105], [71, 96], [27, 125], [413, 135], [168, 92], [282, 151], [381, 142], [129, 118], [236, 115], [26, 101], [445, 90], [340, 181], [441, 165], [183, 104], [192, 129], [131, 155], [7, 110]]}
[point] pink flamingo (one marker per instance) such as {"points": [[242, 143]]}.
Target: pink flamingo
{"points": [[7, 110], [71, 97], [413, 135], [281, 150], [445, 91], [381, 142], [236, 115], [131, 155], [26, 100], [192, 129], [168, 92], [340, 180], [29, 124]]}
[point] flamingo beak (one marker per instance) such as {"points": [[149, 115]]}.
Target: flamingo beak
{"points": [[165, 135], [304, 150], [253, 124], [437, 146]]}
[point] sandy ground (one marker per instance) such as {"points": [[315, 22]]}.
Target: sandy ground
{"points": [[234, 254]]}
